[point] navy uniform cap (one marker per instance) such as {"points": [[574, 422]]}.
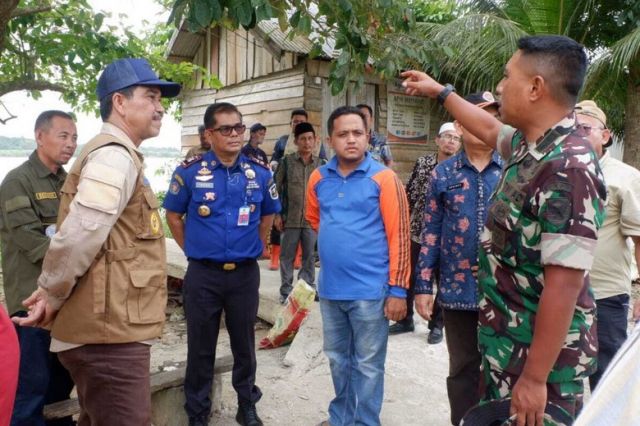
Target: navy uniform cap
{"points": [[127, 72]]}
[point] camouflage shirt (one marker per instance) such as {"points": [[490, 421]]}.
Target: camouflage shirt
{"points": [[546, 210]]}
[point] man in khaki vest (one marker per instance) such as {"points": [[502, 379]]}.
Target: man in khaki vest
{"points": [[103, 284]]}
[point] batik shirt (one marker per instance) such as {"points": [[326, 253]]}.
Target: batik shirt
{"points": [[455, 210], [417, 190], [546, 210], [379, 149]]}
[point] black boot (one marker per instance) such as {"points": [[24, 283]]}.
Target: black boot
{"points": [[247, 414], [199, 421]]}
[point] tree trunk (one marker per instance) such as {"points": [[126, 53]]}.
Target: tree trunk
{"points": [[632, 118]]}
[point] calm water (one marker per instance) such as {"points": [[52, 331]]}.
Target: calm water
{"points": [[158, 170]]}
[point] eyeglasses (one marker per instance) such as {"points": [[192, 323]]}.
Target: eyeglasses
{"points": [[450, 138], [226, 130], [586, 128]]}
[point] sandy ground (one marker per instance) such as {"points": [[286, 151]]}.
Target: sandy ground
{"points": [[299, 394]]}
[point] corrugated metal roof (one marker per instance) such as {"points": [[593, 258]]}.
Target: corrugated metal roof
{"points": [[184, 44]]}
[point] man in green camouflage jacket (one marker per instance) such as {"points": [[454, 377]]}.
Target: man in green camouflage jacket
{"points": [[536, 330]]}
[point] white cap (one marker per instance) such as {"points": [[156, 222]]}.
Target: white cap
{"points": [[447, 127]]}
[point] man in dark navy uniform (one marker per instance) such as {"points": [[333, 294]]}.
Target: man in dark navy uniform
{"points": [[229, 201]]}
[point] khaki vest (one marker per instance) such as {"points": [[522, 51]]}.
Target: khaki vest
{"points": [[122, 296]]}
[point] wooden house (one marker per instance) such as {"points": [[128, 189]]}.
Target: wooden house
{"points": [[267, 75]]}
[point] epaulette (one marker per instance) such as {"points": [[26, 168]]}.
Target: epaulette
{"points": [[258, 162], [191, 160]]}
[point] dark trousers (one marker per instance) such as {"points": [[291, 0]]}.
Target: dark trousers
{"points": [[112, 381], [612, 331], [461, 332], [306, 237], [437, 320], [208, 291], [42, 379]]}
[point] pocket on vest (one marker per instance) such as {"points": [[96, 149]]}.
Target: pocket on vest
{"points": [[146, 297]]}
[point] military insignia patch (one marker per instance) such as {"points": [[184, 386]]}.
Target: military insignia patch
{"points": [[155, 223], [273, 191], [250, 174], [174, 188], [178, 179]]}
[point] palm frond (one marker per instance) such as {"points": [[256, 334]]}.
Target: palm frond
{"points": [[626, 52], [475, 49]]}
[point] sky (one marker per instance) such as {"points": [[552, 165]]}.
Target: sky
{"points": [[26, 109]]}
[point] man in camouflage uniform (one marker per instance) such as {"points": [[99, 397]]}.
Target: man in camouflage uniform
{"points": [[536, 331]]}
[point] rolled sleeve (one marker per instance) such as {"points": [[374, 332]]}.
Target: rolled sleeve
{"points": [[504, 144], [569, 251], [571, 208]]}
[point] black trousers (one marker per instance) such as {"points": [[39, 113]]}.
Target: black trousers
{"points": [[463, 382], [208, 291], [437, 320], [611, 318]]}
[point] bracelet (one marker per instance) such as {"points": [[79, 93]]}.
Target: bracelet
{"points": [[442, 96]]}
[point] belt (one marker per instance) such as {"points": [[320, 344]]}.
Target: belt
{"points": [[225, 266]]}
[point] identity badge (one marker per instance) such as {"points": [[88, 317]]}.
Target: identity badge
{"points": [[243, 216]]}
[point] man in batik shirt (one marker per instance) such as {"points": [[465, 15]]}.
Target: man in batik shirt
{"points": [[448, 142]]}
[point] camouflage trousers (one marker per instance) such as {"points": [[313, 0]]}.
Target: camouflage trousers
{"points": [[498, 384]]}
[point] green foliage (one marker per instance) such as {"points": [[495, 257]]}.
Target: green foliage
{"points": [[66, 47], [374, 35], [476, 45]]}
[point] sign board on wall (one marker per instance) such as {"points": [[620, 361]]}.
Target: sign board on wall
{"points": [[408, 117]]}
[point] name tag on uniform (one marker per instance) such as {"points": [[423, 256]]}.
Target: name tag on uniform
{"points": [[243, 216], [46, 196], [204, 184]]}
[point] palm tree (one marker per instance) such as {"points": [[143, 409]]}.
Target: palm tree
{"points": [[476, 46]]}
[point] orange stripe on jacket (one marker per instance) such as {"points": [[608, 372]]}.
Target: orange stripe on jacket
{"points": [[395, 216]]}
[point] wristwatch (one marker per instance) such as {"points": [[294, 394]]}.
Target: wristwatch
{"points": [[448, 89]]}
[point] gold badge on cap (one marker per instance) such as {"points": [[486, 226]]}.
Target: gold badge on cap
{"points": [[250, 174], [204, 211]]}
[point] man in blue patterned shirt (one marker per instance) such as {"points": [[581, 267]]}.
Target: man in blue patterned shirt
{"points": [[456, 207], [378, 146]]}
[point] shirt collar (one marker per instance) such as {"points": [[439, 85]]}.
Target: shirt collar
{"points": [[211, 155], [554, 136], [605, 157], [114, 130], [42, 170], [463, 160], [364, 165]]}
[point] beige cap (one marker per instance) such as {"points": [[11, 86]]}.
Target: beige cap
{"points": [[591, 109]]}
